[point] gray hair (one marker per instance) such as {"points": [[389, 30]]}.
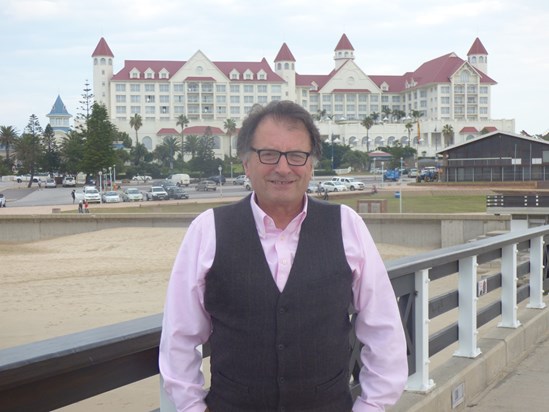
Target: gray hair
{"points": [[278, 110]]}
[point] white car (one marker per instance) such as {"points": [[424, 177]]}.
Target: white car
{"points": [[91, 195], [111, 197], [141, 178], [333, 187], [350, 182], [50, 183], [132, 194]]}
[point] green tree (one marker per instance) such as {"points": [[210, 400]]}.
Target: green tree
{"points": [[72, 152], [398, 151], [86, 105], [375, 116], [367, 122], [409, 126], [399, 114], [98, 147], [191, 145], [448, 133], [135, 123], [166, 151], [386, 112], [230, 130], [29, 148], [357, 159], [183, 122], [8, 137], [51, 158]]}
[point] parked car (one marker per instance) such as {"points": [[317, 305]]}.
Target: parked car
{"points": [[110, 197], [247, 184], [206, 185], [218, 179], [156, 193], [180, 179], [50, 183], [239, 180], [141, 178], [413, 173], [69, 181], [132, 194], [350, 182], [333, 187], [313, 187], [2, 200], [176, 192], [91, 194]]}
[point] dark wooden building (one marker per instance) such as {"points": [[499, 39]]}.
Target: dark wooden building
{"points": [[496, 157]]}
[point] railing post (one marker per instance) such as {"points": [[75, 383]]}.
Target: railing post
{"points": [[536, 273], [419, 381], [509, 308], [467, 318]]}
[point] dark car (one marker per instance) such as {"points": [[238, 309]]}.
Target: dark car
{"points": [[206, 185], [218, 179], [176, 192]]}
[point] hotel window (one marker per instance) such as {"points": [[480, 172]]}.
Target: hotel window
{"points": [[221, 99], [471, 88], [262, 76], [445, 100], [445, 110], [395, 99], [221, 109], [120, 98], [483, 89], [136, 88], [135, 109], [351, 98], [248, 99], [149, 75], [220, 88], [164, 88], [445, 89], [179, 98], [163, 75], [149, 87], [338, 98], [235, 99], [276, 98], [247, 109], [149, 109], [362, 108], [374, 98], [164, 109], [276, 88], [483, 100], [483, 110], [120, 109], [134, 75], [164, 99], [248, 76], [179, 109], [326, 98], [149, 99], [235, 109], [120, 87], [178, 88], [248, 88], [235, 88], [262, 88], [262, 99], [338, 107]]}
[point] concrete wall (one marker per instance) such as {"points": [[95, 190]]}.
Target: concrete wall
{"points": [[414, 230]]}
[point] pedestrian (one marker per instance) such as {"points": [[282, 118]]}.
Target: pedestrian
{"points": [[73, 195], [80, 207], [274, 305], [86, 210], [39, 184]]}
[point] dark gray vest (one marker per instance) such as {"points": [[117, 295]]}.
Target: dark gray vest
{"points": [[273, 351]]}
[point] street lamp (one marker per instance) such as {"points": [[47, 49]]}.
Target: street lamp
{"points": [[220, 182], [100, 184], [114, 173], [400, 183], [110, 177], [331, 141]]}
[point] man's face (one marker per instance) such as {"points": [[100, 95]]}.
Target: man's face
{"points": [[279, 185]]}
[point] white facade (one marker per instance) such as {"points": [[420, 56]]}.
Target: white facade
{"points": [[208, 93]]}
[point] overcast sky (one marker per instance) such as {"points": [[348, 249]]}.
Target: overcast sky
{"points": [[46, 45]]}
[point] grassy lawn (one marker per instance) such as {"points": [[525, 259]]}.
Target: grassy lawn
{"points": [[412, 202]]}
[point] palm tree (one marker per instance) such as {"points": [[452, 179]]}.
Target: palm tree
{"points": [[375, 116], [409, 126], [192, 145], [387, 112], [135, 123], [230, 129], [448, 133], [367, 122], [8, 137], [183, 122], [167, 150]]}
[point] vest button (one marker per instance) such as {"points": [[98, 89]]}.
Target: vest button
{"points": [[281, 379], [281, 346], [282, 310]]}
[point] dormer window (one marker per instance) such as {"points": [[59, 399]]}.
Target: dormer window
{"points": [[248, 75], [235, 75], [149, 74], [164, 74]]}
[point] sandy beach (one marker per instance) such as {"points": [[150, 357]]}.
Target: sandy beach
{"points": [[59, 286]]}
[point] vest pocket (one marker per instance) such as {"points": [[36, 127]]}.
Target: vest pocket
{"points": [[340, 383], [224, 384]]}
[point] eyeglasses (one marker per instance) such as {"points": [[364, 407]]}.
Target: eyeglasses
{"points": [[272, 157]]}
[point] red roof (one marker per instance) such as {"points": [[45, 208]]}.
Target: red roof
{"points": [[344, 44], [201, 131], [490, 129], [351, 91], [143, 65], [200, 79], [477, 48], [468, 129], [102, 49], [395, 83], [284, 54], [166, 131], [379, 153]]}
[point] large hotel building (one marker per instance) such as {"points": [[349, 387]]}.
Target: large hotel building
{"points": [[446, 90]]}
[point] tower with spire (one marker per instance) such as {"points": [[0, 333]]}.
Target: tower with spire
{"points": [[285, 68], [102, 72], [343, 52], [59, 117], [478, 56]]}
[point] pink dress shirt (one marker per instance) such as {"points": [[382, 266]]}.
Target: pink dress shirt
{"points": [[186, 324]]}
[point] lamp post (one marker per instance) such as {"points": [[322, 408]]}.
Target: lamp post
{"points": [[110, 177], [114, 173], [400, 184], [331, 141], [100, 184], [220, 184]]}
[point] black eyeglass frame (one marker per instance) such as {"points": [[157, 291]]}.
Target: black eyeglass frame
{"points": [[280, 154]]}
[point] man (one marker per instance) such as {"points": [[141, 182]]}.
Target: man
{"points": [[268, 282]]}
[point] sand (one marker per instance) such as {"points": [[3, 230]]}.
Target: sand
{"points": [[55, 287]]}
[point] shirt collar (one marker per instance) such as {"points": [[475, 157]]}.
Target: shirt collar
{"points": [[264, 223]]}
